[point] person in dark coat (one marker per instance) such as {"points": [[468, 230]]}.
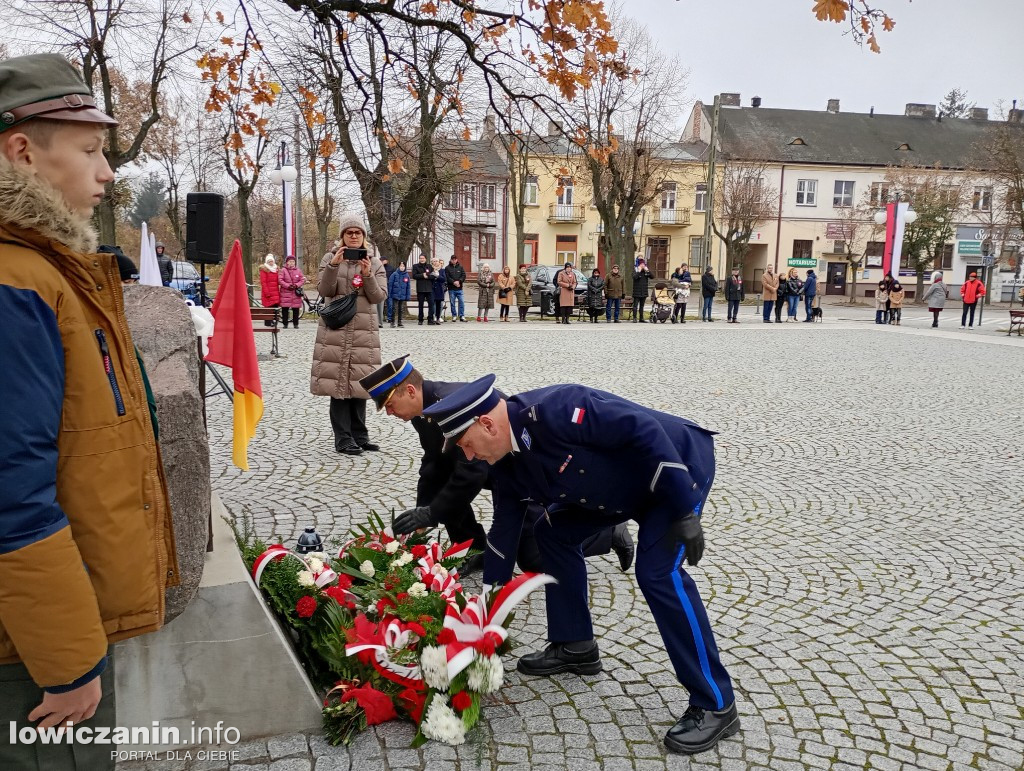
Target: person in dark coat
{"points": [[641, 288], [387, 307], [455, 275], [780, 300], [810, 292], [734, 295], [449, 483], [708, 288], [166, 266], [440, 287], [399, 293], [594, 459], [595, 295], [424, 276]]}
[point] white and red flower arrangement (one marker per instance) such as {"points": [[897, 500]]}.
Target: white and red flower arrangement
{"points": [[387, 630]]}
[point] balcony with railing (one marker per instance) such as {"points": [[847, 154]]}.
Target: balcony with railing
{"points": [[475, 217], [669, 218], [564, 212]]}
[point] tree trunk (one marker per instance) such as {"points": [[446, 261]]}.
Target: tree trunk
{"points": [[919, 292], [853, 283], [245, 236], [106, 221]]}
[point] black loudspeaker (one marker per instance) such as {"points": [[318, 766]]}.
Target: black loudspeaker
{"points": [[204, 228]]}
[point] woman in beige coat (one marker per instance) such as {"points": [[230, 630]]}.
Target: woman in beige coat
{"points": [[566, 281], [506, 283], [770, 292], [485, 292], [342, 356]]}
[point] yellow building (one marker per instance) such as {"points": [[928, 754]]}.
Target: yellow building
{"points": [[562, 224]]}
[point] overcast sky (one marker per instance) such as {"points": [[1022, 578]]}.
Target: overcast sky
{"points": [[778, 50]]}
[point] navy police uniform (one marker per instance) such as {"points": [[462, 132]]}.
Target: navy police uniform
{"points": [[594, 459]]}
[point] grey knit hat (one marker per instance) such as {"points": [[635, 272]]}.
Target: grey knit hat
{"points": [[351, 220]]}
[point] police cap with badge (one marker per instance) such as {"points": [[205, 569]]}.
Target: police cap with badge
{"points": [[381, 383], [45, 86], [457, 412]]}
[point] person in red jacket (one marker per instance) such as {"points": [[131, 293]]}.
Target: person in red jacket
{"points": [[270, 290], [971, 291]]}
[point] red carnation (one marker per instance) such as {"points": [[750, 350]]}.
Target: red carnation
{"points": [[445, 637], [378, 706], [419, 551], [415, 628], [344, 581], [350, 605], [383, 603], [462, 701], [412, 701], [306, 606], [402, 597]]}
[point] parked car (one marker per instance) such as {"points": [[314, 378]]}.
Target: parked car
{"points": [[542, 284], [187, 281]]}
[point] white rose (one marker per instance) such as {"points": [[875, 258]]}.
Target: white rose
{"points": [[305, 578], [405, 559], [395, 564], [392, 547], [315, 565], [418, 590], [367, 569], [317, 555]]}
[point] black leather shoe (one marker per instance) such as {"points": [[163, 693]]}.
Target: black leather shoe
{"points": [[583, 658], [350, 449], [622, 545], [369, 446], [701, 729]]}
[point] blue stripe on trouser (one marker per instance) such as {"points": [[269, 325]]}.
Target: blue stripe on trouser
{"points": [[698, 638]]}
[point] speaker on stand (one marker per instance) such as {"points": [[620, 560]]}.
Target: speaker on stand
{"points": [[204, 233]]}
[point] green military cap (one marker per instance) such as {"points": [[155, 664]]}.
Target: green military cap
{"points": [[45, 86]]}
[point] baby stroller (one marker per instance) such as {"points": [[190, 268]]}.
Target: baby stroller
{"points": [[661, 303]]}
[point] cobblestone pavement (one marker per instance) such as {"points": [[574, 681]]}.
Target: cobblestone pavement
{"points": [[864, 571]]}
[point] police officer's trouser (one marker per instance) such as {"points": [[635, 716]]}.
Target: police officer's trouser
{"points": [[668, 589]]}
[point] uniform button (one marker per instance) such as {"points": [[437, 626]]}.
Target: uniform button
{"points": [[600, 508], [618, 512], [562, 495], [583, 500], [583, 471]]}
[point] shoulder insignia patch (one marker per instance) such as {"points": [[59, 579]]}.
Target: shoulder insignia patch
{"points": [[527, 440]]}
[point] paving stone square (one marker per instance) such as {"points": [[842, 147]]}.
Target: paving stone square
{"points": [[864, 566]]}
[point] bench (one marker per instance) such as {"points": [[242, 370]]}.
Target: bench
{"points": [[1016, 320], [259, 318]]}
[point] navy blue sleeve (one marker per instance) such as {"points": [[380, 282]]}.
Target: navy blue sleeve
{"points": [[31, 397], [503, 537]]}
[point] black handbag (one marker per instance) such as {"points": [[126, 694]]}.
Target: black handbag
{"points": [[340, 312], [503, 293]]}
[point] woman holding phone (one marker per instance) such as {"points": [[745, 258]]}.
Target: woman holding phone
{"points": [[342, 356]]}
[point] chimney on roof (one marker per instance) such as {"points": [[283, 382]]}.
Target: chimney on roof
{"points": [[698, 116], [487, 134], [833, 106], [755, 102], [978, 113], [554, 128], [1016, 116], [871, 114], [920, 110], [730, 100]]}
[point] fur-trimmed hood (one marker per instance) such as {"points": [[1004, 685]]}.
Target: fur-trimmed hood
{"points": [[29, 205]]}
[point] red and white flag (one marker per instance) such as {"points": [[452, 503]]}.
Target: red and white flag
{"points": [[577, 415]]}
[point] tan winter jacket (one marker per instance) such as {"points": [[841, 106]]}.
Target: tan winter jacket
{"points": [[770, 285], [86, 548], [342, 356]]}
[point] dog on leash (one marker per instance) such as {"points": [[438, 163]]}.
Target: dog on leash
{"points": [[816, 315]]}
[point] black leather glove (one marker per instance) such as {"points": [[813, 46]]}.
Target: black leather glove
{"points": [[413, 519], [688, 531]]}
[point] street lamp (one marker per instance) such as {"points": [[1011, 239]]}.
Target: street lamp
{"points": [[284, 174], [895, 216]]}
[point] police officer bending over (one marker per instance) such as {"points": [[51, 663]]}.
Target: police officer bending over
{"points": [[448, 482], [593, 459]]}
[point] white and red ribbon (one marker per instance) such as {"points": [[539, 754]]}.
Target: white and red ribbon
{"points": [[324, 578], [474, 622], [396, 637]]}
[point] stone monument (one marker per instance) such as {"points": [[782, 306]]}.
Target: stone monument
{"points": [[163, 331]]}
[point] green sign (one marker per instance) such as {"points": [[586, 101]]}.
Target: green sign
{"points": [[969, 247], [803, 262]]}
